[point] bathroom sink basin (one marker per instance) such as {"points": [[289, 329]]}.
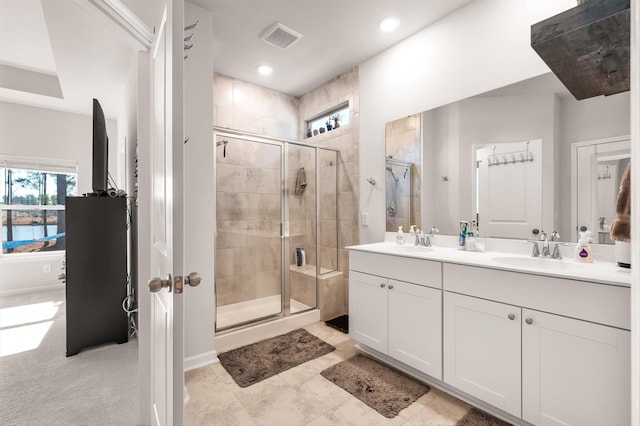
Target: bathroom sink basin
{"points": [[535, 262], [409, 249]]}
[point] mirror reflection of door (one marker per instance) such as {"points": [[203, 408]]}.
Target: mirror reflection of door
{"points": [[600, 167], [402, 174], [509, 188]]}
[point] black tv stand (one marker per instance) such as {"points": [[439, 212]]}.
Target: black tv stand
{"points": [[96, 260]]}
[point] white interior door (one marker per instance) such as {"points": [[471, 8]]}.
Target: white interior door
{"points": [[166, 222], [510, 189]]}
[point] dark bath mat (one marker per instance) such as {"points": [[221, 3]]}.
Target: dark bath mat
{"points": [[476, 417], [385, 390], [340, 323], [253, 363]]}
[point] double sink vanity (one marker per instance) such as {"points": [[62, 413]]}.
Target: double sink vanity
{"points": [[531, 340]]}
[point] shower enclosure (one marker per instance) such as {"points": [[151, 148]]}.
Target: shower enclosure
{"points": [[273, 197]]}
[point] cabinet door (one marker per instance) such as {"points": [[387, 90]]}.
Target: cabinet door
{"points": [[368, 310], [574, 372], [482, 350], [415, 326]]}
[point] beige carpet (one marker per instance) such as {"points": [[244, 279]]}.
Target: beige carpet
{"points": [[253, 363], [41, 386], [385, 390]]}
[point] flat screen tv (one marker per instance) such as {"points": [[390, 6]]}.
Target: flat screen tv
{"points": [[100, 151]]}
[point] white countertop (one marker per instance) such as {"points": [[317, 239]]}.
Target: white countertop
{"points": [[599, 272]]}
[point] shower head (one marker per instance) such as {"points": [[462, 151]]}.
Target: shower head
{"points": [[389, 169], [224, 148]]}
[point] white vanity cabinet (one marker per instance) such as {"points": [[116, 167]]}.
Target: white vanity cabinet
{"points": [[395, 317], [574, 372], [482, 350], [563, 370], [368, 301]]}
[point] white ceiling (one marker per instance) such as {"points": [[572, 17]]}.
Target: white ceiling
{"points": [[337, 35], [46, 43], [57, 42]]}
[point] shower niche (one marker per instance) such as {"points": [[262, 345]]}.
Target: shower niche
{"points": [[273, 198]]}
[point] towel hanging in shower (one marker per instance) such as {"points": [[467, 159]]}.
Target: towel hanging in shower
{"points": [[301, 181]]}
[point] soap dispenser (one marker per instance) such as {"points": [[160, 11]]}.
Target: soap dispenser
{"points": [[584, 251], [400, 236]]}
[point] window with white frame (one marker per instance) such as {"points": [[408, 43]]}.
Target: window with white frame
{"points": [[327, 121], [32, 203]]}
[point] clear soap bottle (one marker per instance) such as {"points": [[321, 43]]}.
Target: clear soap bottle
{"points": [[400, 236]]}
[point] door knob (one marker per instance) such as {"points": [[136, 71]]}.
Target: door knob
{"points": [[390, 286], [511, 317], [529, 321], [193, 279], [382, 285], [156, 284]]}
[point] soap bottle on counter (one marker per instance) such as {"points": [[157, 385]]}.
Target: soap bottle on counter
{"points": [[400, 236], [584, 251]]}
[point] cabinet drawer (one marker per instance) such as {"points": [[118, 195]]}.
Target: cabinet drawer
{"points": [[417, 271], [600, 303]]}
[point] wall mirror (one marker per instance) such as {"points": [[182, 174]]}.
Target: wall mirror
{"points": [[456, 136], [403, 171]]}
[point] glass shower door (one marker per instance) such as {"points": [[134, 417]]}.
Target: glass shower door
{"points": [[248, 238]]}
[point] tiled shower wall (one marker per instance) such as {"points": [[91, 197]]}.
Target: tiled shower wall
{"points": [[248, 189], [248, 211], [346, 139], [243, 106]]}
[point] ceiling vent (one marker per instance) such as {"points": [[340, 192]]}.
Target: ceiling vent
{"points": [[281, 36]]}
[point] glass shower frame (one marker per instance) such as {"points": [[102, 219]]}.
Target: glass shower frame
{"points": [[286, 191]]}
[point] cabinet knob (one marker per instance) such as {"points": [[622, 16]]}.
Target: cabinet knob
{"points": [[529, 321], [382, 285], [390, 286], [511, 317]]}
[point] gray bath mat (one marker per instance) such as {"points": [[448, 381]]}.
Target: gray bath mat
{"points": [[253, 363], [385, 390], [476, 417]]}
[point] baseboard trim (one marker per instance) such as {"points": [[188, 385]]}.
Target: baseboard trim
{"points": [[200, 360], [18, 291]]}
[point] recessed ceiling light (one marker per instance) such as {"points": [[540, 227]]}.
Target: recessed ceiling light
{"points": [[389, 24], [264, 69]]}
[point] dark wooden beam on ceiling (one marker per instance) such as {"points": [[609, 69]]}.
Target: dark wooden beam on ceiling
{"points": [[587, 47]]}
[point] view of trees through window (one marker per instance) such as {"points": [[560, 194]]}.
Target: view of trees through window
{"points": [[32, 206]]}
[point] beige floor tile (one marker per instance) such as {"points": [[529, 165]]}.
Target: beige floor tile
{"points": [[302, 396], [355, 412], [310, 369], [288, 407], [438, 408], [260, 391], [322, 393], [328, 334], [239, 418], [320, 421]]}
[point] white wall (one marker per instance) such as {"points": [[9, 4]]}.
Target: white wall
{"points": [[199, 192], [482, 46], [38, 132]]}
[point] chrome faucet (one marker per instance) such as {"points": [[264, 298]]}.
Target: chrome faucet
{"points": [[545, 245], [423, 239]]}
